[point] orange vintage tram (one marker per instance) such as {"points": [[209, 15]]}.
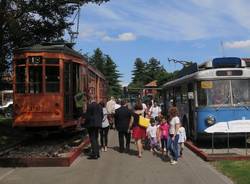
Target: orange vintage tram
{"points": [[46, 79]]}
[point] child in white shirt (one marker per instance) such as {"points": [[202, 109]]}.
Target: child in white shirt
{"points": [[182, 139], [152, 134]]}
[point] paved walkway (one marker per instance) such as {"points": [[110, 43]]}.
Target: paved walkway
{"points": [[114, 167]]}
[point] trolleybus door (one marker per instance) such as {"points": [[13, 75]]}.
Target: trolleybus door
{"points": [[191, 109]]}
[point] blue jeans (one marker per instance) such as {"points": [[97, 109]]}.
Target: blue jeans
{"points": [[173, 146]]}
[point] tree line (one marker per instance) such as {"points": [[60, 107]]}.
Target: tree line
{"points": [[145, 72]]}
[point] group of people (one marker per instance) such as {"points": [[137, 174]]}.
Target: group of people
{"points": [[168, 134], [164, 132]]}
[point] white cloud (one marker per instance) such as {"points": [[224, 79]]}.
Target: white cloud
{"points": [[170, 20], [198, 45], [125, 37], [103, 11], [238, 44], [90, 33]]}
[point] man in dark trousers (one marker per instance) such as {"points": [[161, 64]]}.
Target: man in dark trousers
{"points": [[93, 122], [123, 121]]}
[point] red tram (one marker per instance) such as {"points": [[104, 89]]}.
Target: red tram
{"points": [[46, 79]]}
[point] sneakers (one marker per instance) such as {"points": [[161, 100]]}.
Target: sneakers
{"points": [[173, 162], [105, 148]]}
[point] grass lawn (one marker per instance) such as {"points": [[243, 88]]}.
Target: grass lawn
{"points": [[238, 171]]}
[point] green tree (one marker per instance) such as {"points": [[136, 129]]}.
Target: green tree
{"points": [[98, 60], [26, 22], [153, 70], [145, 72], [112, 76], [107, 66], [139, 76]]}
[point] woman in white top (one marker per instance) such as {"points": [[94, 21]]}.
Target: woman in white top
{"points": [[105, 128], [174, 123]]}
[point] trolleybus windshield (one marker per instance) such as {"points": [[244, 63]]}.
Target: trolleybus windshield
{"points": [[223, 92]]}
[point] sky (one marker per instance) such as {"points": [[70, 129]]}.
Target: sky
{"points": [[190, 30]]}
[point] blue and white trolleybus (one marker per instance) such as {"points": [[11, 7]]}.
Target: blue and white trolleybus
{"points": [[213, 92]]}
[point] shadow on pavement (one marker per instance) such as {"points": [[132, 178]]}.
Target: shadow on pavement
{"points": [[130, 152]]}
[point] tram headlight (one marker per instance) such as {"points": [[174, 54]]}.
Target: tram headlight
{"points": [[210, 120]]}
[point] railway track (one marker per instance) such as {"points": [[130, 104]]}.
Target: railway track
{"points": [[57, 146]]}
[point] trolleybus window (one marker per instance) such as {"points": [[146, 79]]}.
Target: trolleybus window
{"points": [[184, 94], [178, 96], [52, 79], [35, 79], [20, 79], [241, 92], [214, 93]]}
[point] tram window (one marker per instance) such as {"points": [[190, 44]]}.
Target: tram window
{"points": [[35, 79], [52, 79], [20, 79], [66, 77], [52, 61], [20, 62]]}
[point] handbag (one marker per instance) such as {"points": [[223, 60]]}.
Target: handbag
{"points": [[144, 122]]}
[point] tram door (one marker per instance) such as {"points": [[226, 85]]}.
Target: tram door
{"points": [[71, 86], [191, 107]]}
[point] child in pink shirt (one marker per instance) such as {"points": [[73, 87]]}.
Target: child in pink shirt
{"points": [[163, 134]]}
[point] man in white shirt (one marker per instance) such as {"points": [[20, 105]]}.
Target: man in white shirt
{"points": [[155, 110], [111, 105], [111, 110]]}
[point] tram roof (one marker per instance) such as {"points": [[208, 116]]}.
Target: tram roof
{"points": [[96, 71], [55, 48], [52, 48]]}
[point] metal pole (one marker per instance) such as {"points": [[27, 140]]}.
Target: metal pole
{"points": [[228, 142], [212, 143], [246, 141]]}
